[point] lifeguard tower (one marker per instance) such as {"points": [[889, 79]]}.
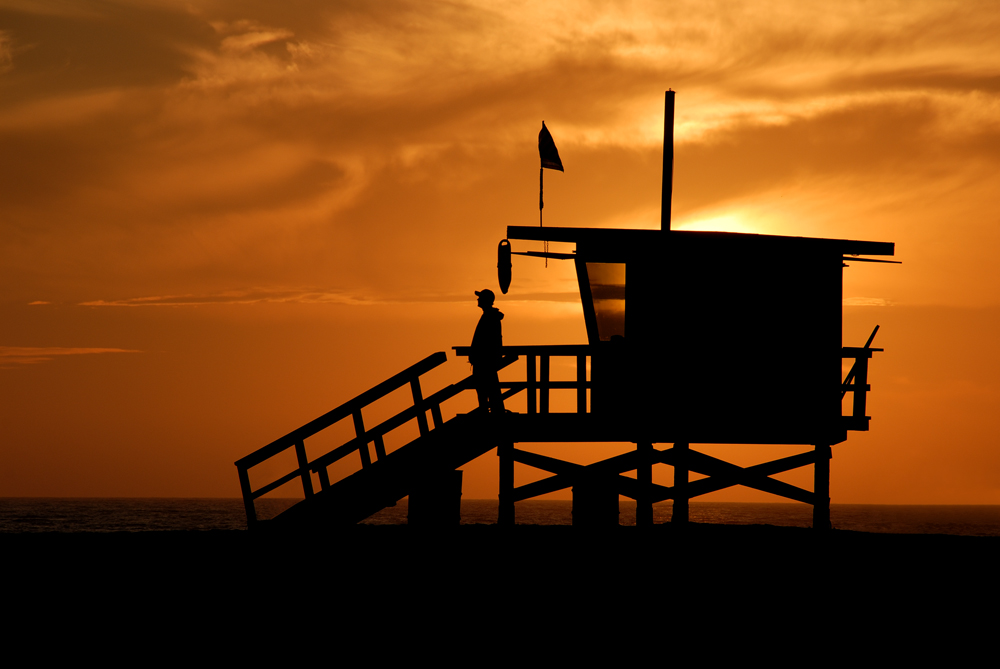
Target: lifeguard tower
{"points": [[693, 338]]}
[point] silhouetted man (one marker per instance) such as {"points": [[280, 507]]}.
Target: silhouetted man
{"points": [[487, 351]]}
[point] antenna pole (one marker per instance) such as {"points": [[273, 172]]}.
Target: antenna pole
{"points": [[668, 160]]}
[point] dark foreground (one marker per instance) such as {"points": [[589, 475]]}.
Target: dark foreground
{"points": [[372, 556], [381, 584]]}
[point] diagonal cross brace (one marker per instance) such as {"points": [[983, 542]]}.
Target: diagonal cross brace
{"points": [[568, 474], [724, 474]]}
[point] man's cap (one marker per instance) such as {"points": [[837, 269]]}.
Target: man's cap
{"points": [[486, 294]]}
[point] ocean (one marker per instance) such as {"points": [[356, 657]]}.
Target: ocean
{"points": [[19, 515]]}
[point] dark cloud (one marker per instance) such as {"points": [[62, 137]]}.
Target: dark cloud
{"points": [[98, 47]]}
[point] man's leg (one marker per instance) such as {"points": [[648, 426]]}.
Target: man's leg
{"points": [[496, 397], [482, 389]]}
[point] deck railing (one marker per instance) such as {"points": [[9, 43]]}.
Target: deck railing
{"points": [[538, 383], [856, 382], [538, 365]]}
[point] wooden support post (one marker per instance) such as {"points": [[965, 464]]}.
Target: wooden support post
{"points": [[581, 384], [532, 385], [680, 512], [543, 380], [505, 515], [821, 487], [644, 504]]}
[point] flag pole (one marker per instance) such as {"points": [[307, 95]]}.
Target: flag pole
{"points": [[668, 160], [541, 205], [541, 183]]}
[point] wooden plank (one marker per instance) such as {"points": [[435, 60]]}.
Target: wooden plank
{"points": [[568, 474], [546, 349], [606, 237], [623, 485], [623, 462], [274, 485], [723, 475]]}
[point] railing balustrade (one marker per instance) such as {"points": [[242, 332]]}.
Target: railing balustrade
{"points": [[537, 383], [363, 435], [856, 382]]}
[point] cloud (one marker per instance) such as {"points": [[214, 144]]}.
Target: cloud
{"points": [[375, 146], [6, 55], [13, 356], [274, 296], [865, 302]]}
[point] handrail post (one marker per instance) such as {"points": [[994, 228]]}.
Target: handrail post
{"points": [[248, 502], [860, 386], [532, 384], [300, 456], [359, 429], [436, 415], [544, 385], [417, 399], [581, 384], [379, 447]]}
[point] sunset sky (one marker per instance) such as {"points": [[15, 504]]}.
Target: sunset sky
{"points": [[221, 219]]}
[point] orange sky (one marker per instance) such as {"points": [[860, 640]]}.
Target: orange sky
{"points": [[218, 223]]}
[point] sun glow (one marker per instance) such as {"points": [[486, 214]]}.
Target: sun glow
{"points": [[728, 223]]}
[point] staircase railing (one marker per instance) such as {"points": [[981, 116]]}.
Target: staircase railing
{"points": [[362, 438]]}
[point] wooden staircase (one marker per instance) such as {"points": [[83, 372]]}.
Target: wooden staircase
{"points": [[441, 446]]}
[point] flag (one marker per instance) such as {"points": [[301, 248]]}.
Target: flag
{"points": [[547, 150]]}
